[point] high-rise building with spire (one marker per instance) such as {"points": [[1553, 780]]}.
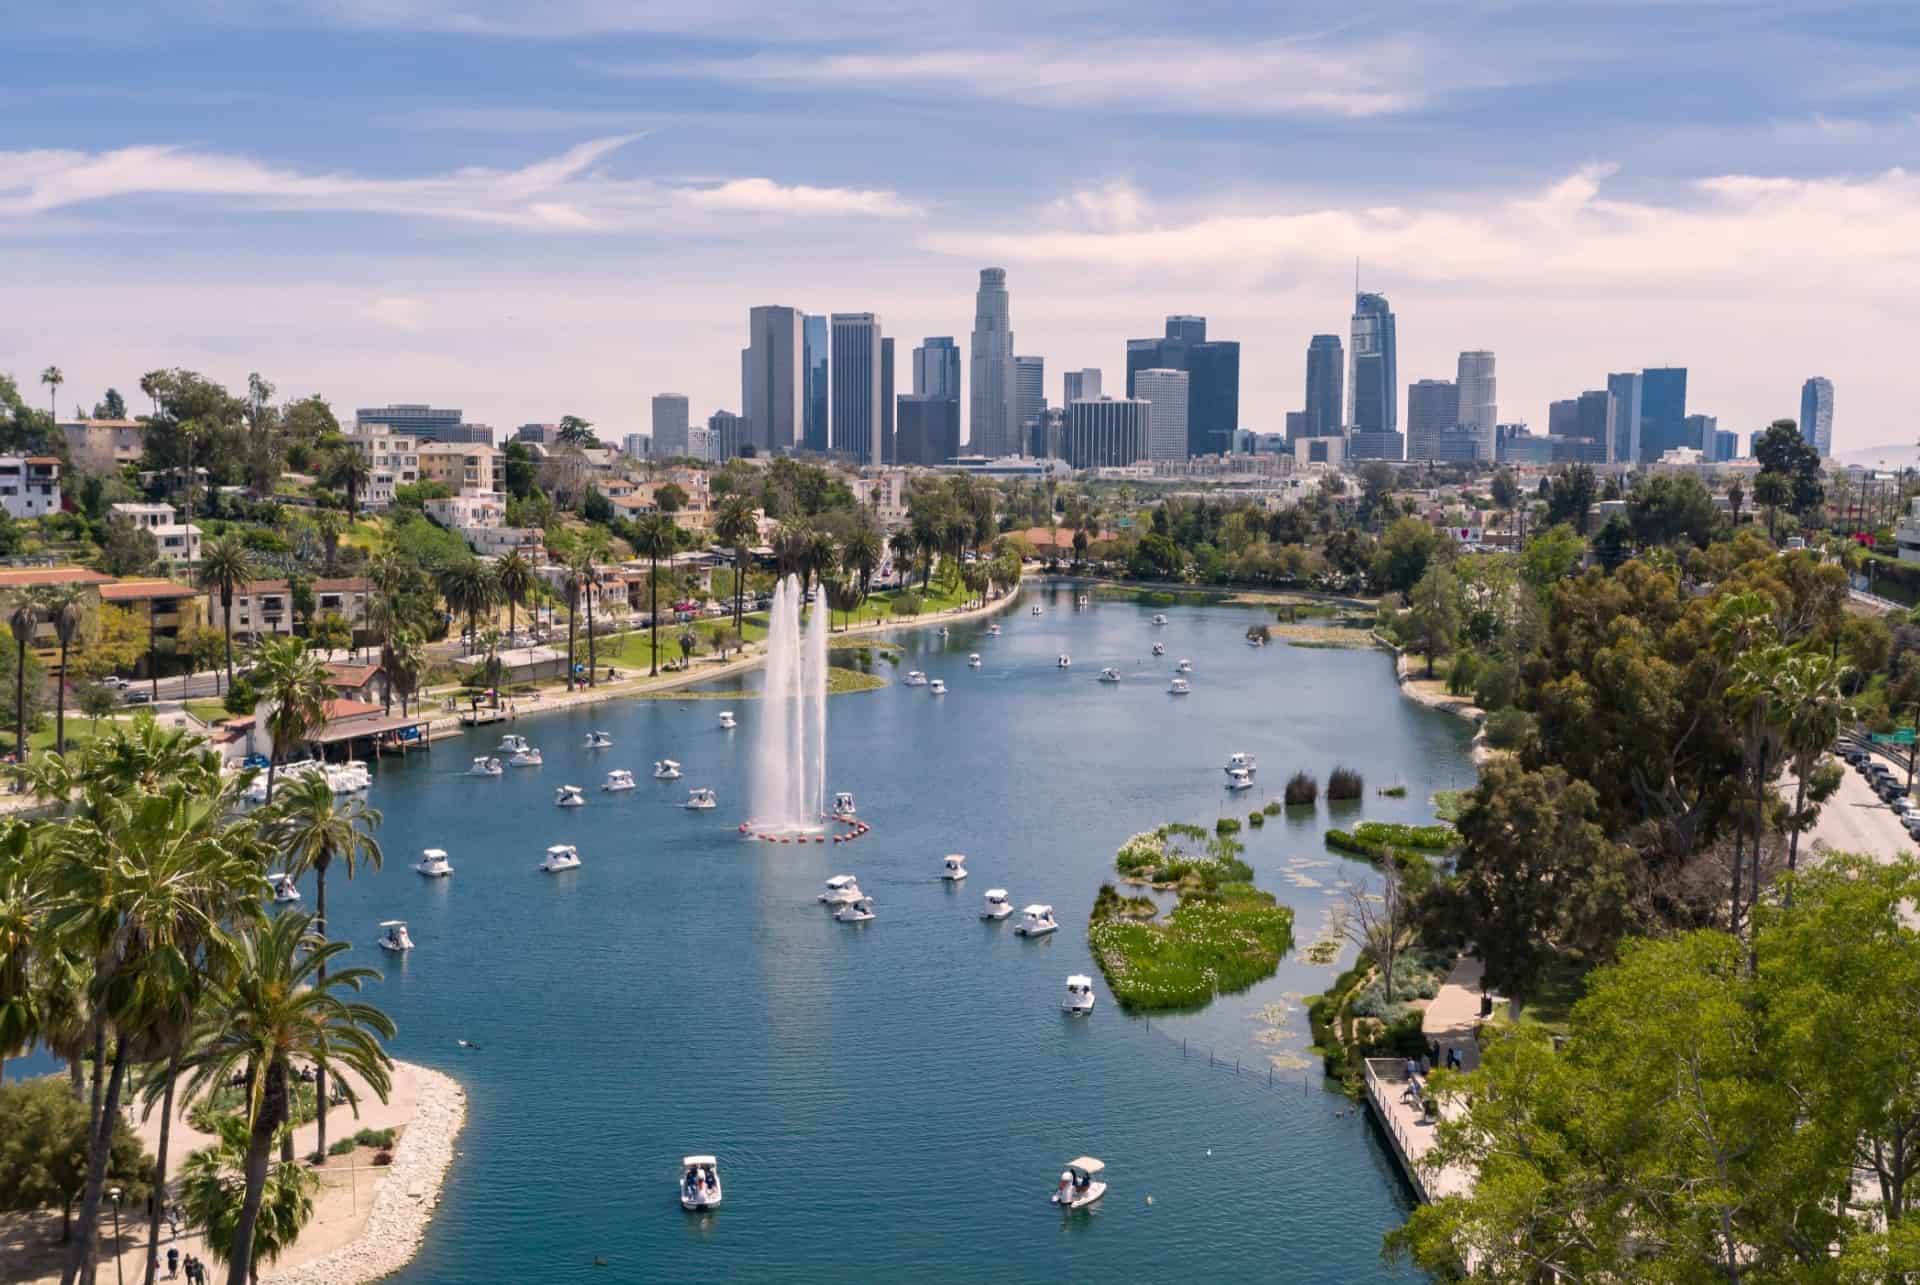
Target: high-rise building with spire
{"points": [[991, 422]]}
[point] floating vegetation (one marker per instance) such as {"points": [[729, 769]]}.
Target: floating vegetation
{"points": [[1256, 819], [1227, 825], [1273, 808], [1108, 903], [1395, 791], [1324, 951], [1303, 790]]}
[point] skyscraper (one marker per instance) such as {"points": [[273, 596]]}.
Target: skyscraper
{"points": [[856, 380], [1106, 432], [1563, 418], [1166, 392], [928, 430], [1816, 414], [814, 358], [990, 413], [670, 424], [414, 419], [1373, 389], [1726, 444], [775, 385], [728, 433], [1697, 431], [1079, 385], [1029, 396], [936, 368], [1663, 410], [1213, 389], [1326, 376], [1625, 430], [1477, 402], [1433, 406], [886, 401]]}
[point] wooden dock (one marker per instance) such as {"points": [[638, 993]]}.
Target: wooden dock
{"points": [[1410, 1131]]}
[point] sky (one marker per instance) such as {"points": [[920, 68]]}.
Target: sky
{"points": [[534, 210]]}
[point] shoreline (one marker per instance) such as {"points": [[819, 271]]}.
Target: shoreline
{"points": [[1434, 695], [405, 1199], [646, 685]]}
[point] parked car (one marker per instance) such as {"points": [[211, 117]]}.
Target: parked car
{"points": [[1913, 826], [114, 681], [1853, 754], [139, 696]]}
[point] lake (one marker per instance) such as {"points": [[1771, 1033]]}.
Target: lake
{"points": [[898, 1096]]}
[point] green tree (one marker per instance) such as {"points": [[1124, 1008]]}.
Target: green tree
{"points": [[1771, 491], [654, 538], [1783, 452], [96, 701], [66, 606], [520, 469], [1813, 705], [313, 827], [734, 527], [282, 1004], [515, 579], [226, 565], [670, 497], [330, 632], [576, 433], [127, 550], [43, 1151], [1537, 880], [1669, 508], [1571, 495], [213, 1194], [348, 469], [1406, 549], [1552, 555], [22, 620], [294, 683], [53, 377]]}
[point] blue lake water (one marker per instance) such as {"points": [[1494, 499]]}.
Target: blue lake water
{"points": [[898, 1096]]}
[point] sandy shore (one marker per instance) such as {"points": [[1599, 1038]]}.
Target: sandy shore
{"points": [[1433, 693], [367, 1221]]}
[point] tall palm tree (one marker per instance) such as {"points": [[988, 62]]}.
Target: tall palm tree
{"points": [[903, 546], [1812, 694], [468, 587], [53, 377], [151, 384], [227, 565], [1770, 491], [23, 620], [822, 556], [66, 607], [583, 567], [313, 827], [407, 661], [212, 1194], [515, 578], [735, 528], [281, 1004], [294, 682], [654, 537], [861, 554], [575, 589], [350, 470]]}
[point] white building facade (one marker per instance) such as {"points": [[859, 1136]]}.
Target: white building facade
{"points": [[1165, 391], [392, 458]]}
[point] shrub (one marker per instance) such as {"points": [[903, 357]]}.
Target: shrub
{"points": [[1466, 667], [382, 1138], [1344, 783], [1256, 819], [1387, 834], [907, 604], [1302, 789], [1273, 808], [1509, 729], [1227, 825], [1497, 683], [341, 1147]]}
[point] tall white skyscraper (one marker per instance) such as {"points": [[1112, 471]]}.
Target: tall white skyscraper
{"points": [[1029, 397], [1478, 410], [774, 378], [1080, 385], [670, 423], [1165, 392], [857, 386], [991, 420]]}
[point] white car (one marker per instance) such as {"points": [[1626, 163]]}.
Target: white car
{"points": [[114, 681]]}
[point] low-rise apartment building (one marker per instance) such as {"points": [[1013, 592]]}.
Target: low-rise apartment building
{"points": [[264, 608], [104, 445], [29, 485], [178, 541], [461, 466], [392, 458]]}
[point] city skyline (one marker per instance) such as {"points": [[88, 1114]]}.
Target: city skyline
{"points": [[457, 237]]}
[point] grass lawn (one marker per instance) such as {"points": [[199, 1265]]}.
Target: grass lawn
{"points": [[208, 712], [79, 729], [1561, 986]]}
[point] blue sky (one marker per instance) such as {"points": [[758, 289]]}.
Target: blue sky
{"points": [[533, 210]]}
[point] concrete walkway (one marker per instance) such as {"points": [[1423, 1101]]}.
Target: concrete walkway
{"points": [[1453, 1018]]}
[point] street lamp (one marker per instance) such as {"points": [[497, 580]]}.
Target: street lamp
{"points": [[119, 1272]]}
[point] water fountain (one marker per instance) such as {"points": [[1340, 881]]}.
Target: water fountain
{"points": [[790, 752]]}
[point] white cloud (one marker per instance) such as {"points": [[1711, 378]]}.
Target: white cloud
{"points": [[1733, 231], [569, 192], [1159, 73], [764, 196], [1113, 206]]}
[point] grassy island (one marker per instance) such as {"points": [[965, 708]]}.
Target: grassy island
{"points": [[1223, 936]]}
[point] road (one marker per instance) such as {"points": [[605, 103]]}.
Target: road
{"points": [[1855, 820]]}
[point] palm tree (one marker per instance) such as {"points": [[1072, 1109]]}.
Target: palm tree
{"points": [[24, 620], [66, 607], [312, 827], [150, 384], [349, 469], [328, 525], [212, 1194], [281, 1004], [735, 528], [1812, 694], [575, 589], [861, 554], [1770, 491], [515, 579], [294, 682], [821, 557], [654, 537], [468, 587], [53, 377], [593, 550], [903, 546], [226, 565], [407, 658], [491, 670]]}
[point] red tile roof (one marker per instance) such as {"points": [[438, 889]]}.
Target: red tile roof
{"points": [[351, 675], [142, 590], [30, 577]]}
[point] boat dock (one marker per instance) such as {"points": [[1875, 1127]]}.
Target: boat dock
{"points": [[481, 717]]}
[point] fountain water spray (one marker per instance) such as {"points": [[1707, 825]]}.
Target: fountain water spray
{"points": [[790, 750]]}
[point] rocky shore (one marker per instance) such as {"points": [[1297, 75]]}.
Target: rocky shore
{"points": [[405, 1199]]}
